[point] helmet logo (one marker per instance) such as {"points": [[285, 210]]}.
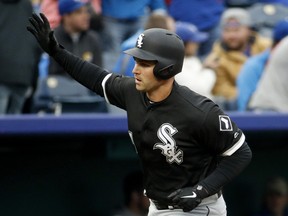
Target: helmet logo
{"points": [[140, 41]]}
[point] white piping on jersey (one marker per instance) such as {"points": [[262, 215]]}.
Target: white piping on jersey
{"points": [[103, 86], [235, 147]]}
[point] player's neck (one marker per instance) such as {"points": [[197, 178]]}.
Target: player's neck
{"points": [[161, 92]]}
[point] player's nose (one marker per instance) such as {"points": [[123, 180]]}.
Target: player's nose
{"points": [[136, 69]]}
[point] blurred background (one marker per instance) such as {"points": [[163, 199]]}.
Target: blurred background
{"points": [[64, 151]]}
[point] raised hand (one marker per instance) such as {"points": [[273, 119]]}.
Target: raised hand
{"points": [[43, 33]]}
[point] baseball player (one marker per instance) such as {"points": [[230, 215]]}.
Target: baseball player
{"points": [[188, 147]]}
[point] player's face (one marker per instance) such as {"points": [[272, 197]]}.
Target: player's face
{"points": [[144, 77]]}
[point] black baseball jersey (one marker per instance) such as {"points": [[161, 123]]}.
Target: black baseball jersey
{"points": [[179, 139]]}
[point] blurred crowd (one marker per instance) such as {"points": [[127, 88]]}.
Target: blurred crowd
{"points": [[234, 50]]}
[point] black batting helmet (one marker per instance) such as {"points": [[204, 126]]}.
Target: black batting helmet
{"points": [[163, 46]]}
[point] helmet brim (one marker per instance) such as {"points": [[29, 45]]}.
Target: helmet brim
{"points": [[140, 54]]}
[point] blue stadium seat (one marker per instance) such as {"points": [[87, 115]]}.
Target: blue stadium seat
{"points": [[61, 94]]}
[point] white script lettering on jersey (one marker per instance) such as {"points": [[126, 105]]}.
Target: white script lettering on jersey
{"points": [[168, 145], [140, 40]]}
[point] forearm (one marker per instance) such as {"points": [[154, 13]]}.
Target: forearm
{"points": [[87, 74], [228, 168]]}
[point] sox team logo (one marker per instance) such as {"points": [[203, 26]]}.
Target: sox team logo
{"points": [[140, 41], [168, 146]]}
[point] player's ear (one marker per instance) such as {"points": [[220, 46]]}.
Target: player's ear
{"points": [[164, 73]]}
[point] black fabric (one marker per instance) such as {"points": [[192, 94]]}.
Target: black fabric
{"points": [[19, 52], [163, 206], [227, 169], [86, 73], [87, 47], [167, 205], [186, 122], [196, 119], [10, 1], [188, 198], [180, 140]]}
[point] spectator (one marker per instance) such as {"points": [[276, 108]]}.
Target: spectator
{"points": [[136, 203], [252, 69], [51, 10], [272, 90], [193, 74], [275, 198], [74, 34], [238, 42], [206, 19], [121, 21], [19, 57]]}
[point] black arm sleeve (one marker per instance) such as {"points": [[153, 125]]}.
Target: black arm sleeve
{"points": [[87, 74], [228, 168]]}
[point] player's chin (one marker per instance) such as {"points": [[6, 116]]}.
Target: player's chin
{"points": [[139, 87]]}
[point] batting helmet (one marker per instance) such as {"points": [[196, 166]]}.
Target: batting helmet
{"points": [[163, 46]]}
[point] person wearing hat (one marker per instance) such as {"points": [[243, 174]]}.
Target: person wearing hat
{"points": [[75, 35], [193, 74], [51, 10], [238, 41], [253, 68]]}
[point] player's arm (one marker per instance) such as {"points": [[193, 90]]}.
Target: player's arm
{"points": [[88, 74], [228, 168], [227, 142]]}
